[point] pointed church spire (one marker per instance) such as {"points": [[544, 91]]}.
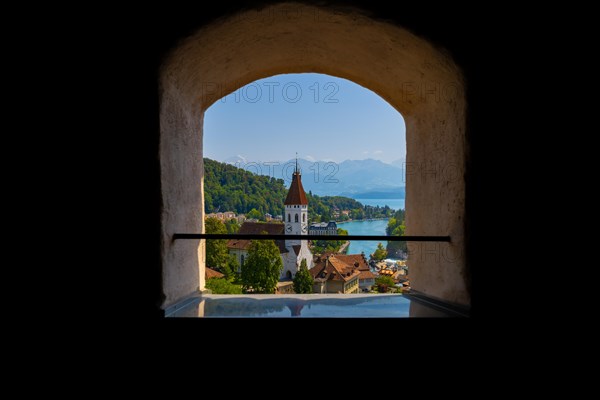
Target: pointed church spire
{"points": [[296, 194]]}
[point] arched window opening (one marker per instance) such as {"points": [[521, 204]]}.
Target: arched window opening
{"points": [[414, 77]]}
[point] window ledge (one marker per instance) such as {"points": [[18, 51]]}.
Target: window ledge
{"points": [[299, 305]]}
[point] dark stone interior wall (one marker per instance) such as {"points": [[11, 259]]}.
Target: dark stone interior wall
{"points": [[139, 43]]}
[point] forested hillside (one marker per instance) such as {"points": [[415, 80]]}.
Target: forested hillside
{"points": [[228, 188]]}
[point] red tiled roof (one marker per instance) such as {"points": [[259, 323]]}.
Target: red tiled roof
{"points": [[343, 271], [366, 275], [350, 259], [245, 245], [354, 258], [272, 228], [334, 269], [211, 273], [340, 265], [326, 254], [296, 194], [238, 244], [257, 228]]}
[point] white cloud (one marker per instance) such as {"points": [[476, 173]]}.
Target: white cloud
{"points": [[309, 158], [365, 152], [378, 152]]}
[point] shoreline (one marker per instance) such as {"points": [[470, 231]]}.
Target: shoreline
{"points": [[362, 220], [391, 259], [344, 247]]}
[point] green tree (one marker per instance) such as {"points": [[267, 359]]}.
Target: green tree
{"points": [[216, 249], [223, 286], [303, 281], [396, 227], [232, 226], [383, 283], [254, 213], [261, 270], [233, 267], [321, 246], [380, 253]]}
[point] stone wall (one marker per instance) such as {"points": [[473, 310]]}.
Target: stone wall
{"points": [[418, 80]]}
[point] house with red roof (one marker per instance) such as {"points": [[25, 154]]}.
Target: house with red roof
{"points": [[334, 274]]}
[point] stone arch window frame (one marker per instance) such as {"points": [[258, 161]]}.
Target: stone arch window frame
{"points": [[407, 70]]}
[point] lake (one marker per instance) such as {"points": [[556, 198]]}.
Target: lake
{"points": [[392, 203], [367, 227]]}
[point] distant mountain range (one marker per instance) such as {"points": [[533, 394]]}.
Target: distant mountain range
{"points": [[227, 188], [357, 179]]}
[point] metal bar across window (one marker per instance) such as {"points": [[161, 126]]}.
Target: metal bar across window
{"points": [[311, 237]]}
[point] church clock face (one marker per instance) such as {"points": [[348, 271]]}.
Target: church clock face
{"points": [[304, 229], [288, 228]]}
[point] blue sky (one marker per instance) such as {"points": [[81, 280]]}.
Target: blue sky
{"points": [[319, 116]]}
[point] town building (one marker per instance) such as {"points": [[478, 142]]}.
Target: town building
{"points": [[323, 228], [335, 212], [239, 247], [366, 279], [332, 275], [354, 262], [221, 216]]}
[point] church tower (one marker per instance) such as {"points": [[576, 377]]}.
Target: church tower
{"points": [[296, 209], [295, 219]]}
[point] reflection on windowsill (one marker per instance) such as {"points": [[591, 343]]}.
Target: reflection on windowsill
{"points": [[307, 306]]}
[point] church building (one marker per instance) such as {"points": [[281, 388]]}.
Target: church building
{"points": [[295, 222]]}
